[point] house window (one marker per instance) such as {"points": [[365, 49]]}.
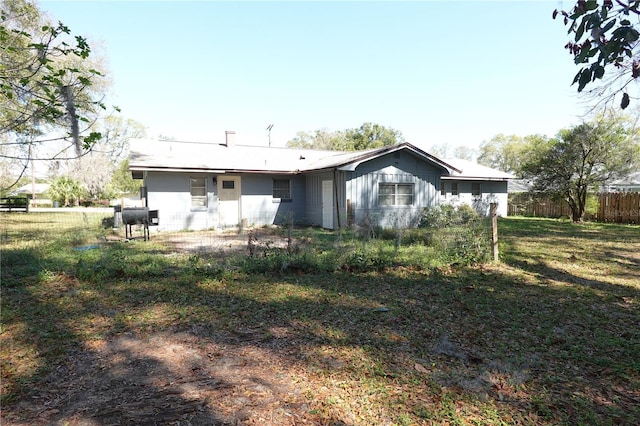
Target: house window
{"points": [[454, 189], [395, 194], [476, 191], [282, 189], [198, 192], [443, 191], [228, 184]]}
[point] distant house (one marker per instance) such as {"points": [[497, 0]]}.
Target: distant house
{"points": [[205, 185], [476, 185], [630, 183], [36, 192]]}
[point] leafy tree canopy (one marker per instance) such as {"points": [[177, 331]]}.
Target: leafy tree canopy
{"points": [[371, 135], [93, 172], [445, 150], [582, 159], [320, 139], [47, 82], [464, 152], [604, 44], [367, 136], [509, 152], [98, 170], [116, 131], [122, 181]]}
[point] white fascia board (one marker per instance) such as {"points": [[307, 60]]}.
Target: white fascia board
{"points": [[172, 169], [454, 177], [351, 167]]}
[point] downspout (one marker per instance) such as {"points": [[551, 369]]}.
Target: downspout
{"points": [[335, 188]]}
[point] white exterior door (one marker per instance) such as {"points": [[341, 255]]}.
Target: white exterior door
{"points": [[327, 204], [229, 201]]}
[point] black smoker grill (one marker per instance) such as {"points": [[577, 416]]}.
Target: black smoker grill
{"points": [[138, 216]]}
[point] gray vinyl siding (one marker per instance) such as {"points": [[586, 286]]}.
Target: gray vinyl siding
{"points": [[260, 208], [404, 168], [355, 195], [313, 207]]}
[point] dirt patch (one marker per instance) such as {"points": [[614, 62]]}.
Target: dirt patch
{"points": [[216, 242], [167, 378]]}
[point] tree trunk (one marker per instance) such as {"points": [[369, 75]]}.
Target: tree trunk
{"points": [[576, 211], [582, 203], [576, 215]]}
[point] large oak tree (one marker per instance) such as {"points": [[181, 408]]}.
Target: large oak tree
{"points": [[582, 159], [509, 152]]}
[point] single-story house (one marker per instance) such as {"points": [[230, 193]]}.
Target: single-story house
{"points": [[210, 186], [37, 192], [630, 183]]}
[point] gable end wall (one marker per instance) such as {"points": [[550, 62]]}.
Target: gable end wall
{"points": [[400, 167]]}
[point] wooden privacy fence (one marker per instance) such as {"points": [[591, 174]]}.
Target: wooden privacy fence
{"points": [[525, 204], [619, 207]]}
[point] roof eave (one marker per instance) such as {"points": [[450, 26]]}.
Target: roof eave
{"points": [[205, 170], [351, 166], [173, 169], [491, 178]]}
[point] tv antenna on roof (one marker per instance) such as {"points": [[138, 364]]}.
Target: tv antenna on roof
{"points": [[269, 127]]}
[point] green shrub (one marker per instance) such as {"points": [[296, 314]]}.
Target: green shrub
{"points": [[592, 206], [284, 261], [310, 261], [407, 237], [367, 261], [463, 244], [447, 215], [122, 261], [458, 234], [465, 214]]}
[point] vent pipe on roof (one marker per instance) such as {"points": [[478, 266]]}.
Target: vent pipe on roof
{"points": [[230, 138]]}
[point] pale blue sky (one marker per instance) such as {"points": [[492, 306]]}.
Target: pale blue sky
{"points": [[440, 72]]}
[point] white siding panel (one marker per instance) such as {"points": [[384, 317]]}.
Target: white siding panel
{"points": [[492, 192], [170, 194]]}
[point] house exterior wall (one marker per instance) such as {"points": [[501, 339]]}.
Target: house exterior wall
{"points": [[629, 183], [260, 208], [355, 195], [362, 189], [170, 194], [313, 204], [491, 192]]}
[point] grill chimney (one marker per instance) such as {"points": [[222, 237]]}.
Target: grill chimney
{"points": [[230, 138]]}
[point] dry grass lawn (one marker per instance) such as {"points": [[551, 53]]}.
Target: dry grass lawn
{"points": [[136, 334]]}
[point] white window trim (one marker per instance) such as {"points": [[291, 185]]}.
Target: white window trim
{"points": [[204, 197], [395, 194]]}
